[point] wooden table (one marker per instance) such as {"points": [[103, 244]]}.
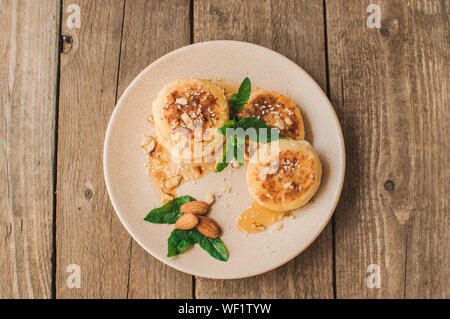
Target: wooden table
{"points": [[389, 87]]}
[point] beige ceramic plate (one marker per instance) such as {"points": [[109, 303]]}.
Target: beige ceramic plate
{"points": [[132, 192]]}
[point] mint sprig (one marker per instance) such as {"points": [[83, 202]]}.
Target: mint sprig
{"points": [[234, 144], [241, 98], [180, 240], [252, 122], [169, 213]]}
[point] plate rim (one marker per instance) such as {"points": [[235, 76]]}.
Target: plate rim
{"points": [[161, 60]]}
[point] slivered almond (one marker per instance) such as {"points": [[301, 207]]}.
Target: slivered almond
{"points": [[181, 101], [208, 227], [235, 163], [270, 170], [187, 121], [167, 197], [187, 221], [172, 182], [279, 125], [170, 98], [150, 147], [145, 141], [226, 189], [287, 185], [197, 171], [196, 207], [277, 227], [210, 198], [148, 144], [287, 121]]}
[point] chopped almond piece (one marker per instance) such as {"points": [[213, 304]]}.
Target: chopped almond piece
{"points": [[210, 198], [172, 182]]}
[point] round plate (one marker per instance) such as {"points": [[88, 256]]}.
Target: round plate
{"points": [[133, 194]]}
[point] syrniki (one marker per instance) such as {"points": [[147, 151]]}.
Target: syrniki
{"points": [[284, 176], [187, 114]]}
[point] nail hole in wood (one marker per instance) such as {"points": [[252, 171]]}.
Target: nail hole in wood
{"points": [[67, 42], [389, 185], [88, 193], [384, 32]]}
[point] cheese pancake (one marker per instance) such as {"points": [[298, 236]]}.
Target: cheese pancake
{"points": [[277, 111], [287, 179], [188, 112]]}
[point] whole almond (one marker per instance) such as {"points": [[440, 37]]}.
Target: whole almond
{"points": [[196, 207], [187, 221], [208, 227]]}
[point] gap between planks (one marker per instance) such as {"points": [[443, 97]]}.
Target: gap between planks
{"points": [[55, 159]]}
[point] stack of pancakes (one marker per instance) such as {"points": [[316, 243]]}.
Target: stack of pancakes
{"points": [[188, 112]]}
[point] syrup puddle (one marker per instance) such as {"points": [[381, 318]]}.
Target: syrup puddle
{"points": [[257, 218], [160, 168]]}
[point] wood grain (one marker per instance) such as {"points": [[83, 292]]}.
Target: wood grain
{"points": [[389, 86], [149, 32], [287, 28], [88, 232], [29, 49]]}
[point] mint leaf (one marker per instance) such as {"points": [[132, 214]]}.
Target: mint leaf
{"points": [[179, 241], [229, 124], [239, 148], [213, 246], [252, 122], [169, 213], [221, 165], [248, 122], [241, 98], [245, 90], [227, 147], [236, 143]]}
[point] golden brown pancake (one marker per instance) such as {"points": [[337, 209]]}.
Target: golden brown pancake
{"points": [[277, 111], [188, 108], [286, 179]]}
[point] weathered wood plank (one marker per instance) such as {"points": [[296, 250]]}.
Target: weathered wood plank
{"points": [[29, 49], [152, 29], [88, 232], [296, 30], [428, 241], [390, 87]]}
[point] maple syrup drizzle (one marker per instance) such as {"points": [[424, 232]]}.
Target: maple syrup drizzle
{"points": [[257, 218]]}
